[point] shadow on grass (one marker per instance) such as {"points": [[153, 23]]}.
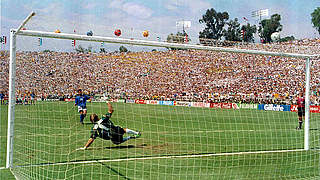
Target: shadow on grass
{"points": [[125, 147], [315, 129], [115, 171], [116, 147]]}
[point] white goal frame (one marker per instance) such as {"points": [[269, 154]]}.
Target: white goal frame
{"points": [[19, 32]]}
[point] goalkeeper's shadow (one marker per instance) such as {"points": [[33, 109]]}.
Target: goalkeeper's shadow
{"points": [[125, 146], [119, 147]]}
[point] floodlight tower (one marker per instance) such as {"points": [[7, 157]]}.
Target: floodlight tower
{"points": [[184, 24], [260, 13]]}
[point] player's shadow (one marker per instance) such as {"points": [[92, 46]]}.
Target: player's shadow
{"points": [[115, 171], [125, 147], [120, 147]]}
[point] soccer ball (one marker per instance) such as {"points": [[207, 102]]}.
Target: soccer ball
{"points": [[145, 33], [89, 33], [275, 37], [117, 32]]}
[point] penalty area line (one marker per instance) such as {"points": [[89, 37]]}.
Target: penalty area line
{"points": [[158, 157]]}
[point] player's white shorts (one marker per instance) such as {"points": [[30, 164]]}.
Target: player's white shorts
{"points": [[81, 109]]}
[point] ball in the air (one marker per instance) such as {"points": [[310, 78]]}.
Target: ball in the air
{"points": [[117, 32], [145, 33], [275, 37]]}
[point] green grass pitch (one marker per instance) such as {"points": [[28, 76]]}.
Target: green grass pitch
{"points": [[47, 134]]}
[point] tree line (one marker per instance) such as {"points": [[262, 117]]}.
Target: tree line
{"points": [[218, 26]]}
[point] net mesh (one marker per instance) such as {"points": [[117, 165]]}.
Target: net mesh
{"points": [[198, 112], [202, 114]]}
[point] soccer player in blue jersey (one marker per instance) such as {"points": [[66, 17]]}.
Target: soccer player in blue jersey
{"points": [[81, 102], [33, 96], [105, 129], [2, 98]]}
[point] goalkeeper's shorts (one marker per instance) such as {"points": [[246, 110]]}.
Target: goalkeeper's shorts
{"points": [[117, 135], [301, 111]]}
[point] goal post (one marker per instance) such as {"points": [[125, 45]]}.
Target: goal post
{"points": [[307, 107], [12, 76], [167, 154], [12, 73]]}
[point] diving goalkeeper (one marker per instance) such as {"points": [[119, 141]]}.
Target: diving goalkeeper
{"points": [[105, 129]]}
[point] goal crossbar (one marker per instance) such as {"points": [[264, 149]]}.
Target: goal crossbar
{"points": [[157, 43]]}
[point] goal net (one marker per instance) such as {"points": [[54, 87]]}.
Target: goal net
{"points": [[203, 112]]}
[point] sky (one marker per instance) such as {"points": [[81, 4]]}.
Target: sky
{"points": [[159, 17]]}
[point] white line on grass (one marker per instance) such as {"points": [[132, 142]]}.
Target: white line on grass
{"points": [[2, 168], [160, 157]]}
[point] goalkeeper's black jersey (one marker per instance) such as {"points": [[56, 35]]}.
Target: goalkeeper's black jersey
{"points": [[103, 128]]}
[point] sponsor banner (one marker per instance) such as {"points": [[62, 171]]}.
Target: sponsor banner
{"points": [[224, 105], [121, 100], [313, 109], [235, 106], [152, 102], [183, 103], [200, 104], [215, 105], [112, 100], [130, 101], [117, 100], [69, 99], [274, 107], [51, 99], [168, 103], [294, 108], [248, 106], [140, 101], [105, 100]]}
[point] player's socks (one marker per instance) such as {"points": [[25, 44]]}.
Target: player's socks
{"points": [[126, 139], [81, 118], [129, 131], [137, 135], [300, 124]]}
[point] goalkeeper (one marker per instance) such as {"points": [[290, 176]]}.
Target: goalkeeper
{"points": [[105, 129], [301, 110]]}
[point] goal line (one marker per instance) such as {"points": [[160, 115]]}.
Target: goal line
{"points": [[158, 157]]}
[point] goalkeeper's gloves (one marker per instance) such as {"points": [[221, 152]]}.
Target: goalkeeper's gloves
{"points": [[83, 148]]}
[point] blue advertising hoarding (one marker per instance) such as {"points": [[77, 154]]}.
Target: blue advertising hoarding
{"points": [[274, 107]]}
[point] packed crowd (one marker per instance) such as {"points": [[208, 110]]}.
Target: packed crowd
{"points": [[175, 74]]}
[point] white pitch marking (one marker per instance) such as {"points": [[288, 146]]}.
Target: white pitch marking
{"points": [[161, 157]]}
